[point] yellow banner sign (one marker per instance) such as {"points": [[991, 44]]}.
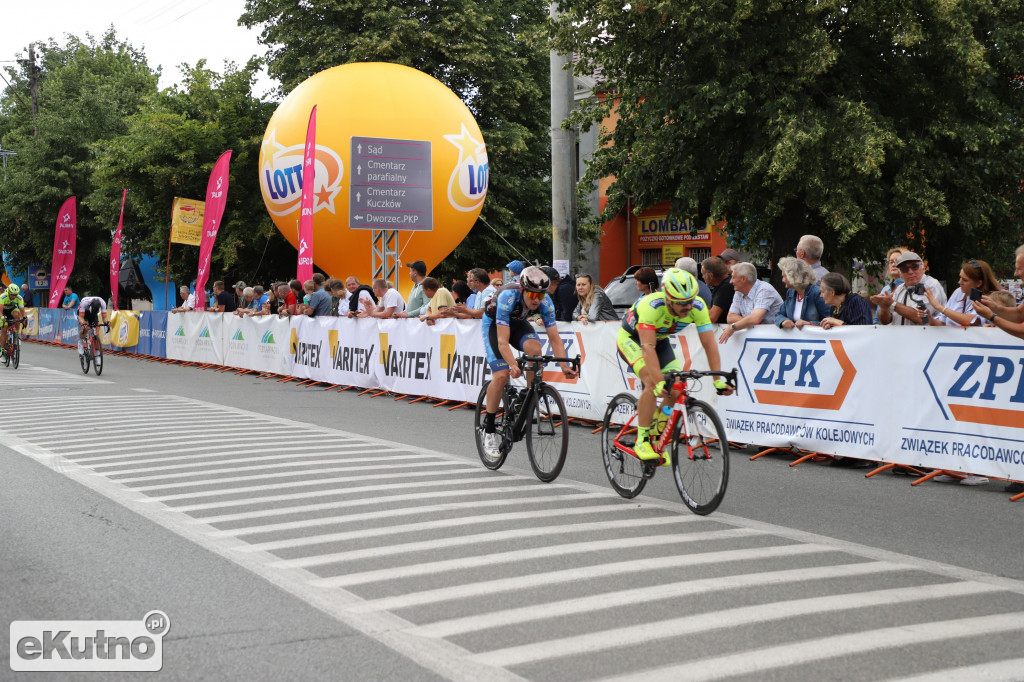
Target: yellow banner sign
{"points": [[187, 221], [124, 329]]}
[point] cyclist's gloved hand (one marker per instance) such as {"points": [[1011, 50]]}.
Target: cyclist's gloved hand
{"points": [[659, 388], [721, 386]]}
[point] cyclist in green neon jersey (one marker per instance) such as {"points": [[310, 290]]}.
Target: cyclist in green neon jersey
{"points": [[643, 343]]}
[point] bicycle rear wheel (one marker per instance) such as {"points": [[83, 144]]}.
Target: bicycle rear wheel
{"points": [[97, 355], [547, 440], [85, 357], [16, 351], [700, 459], [499, 428], [7, 355], [625, 472]]}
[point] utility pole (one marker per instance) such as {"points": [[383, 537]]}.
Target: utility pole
{"points": [[563, 156], [33, 84]]}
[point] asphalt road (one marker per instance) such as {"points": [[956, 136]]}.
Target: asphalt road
{"points": [[292, 532]]}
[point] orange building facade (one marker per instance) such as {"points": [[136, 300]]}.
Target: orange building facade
{"points": [[649, 238]]}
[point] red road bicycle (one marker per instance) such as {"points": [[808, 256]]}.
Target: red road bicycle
{"points": [[12, 351], [92, 350], [700, 450]]}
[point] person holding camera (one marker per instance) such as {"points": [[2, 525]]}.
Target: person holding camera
{"points": [[909, 304], [976, 280]]}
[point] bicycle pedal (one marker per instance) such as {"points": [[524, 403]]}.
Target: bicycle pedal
{"points": [[650, 469]]}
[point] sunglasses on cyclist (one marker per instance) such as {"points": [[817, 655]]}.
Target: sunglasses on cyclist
{"points": [[534, 295]]}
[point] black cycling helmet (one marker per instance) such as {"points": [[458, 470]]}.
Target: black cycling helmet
{"points": [[534, 279], [94, 307]]}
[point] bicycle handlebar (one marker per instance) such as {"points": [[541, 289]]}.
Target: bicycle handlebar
{"points": [[544, 359], [730, 376]]}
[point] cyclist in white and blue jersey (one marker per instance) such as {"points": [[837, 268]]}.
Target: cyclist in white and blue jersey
{"points": [[505, 326]]}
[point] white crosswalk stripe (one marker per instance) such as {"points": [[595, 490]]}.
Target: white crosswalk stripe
{"points": [[422, 547]]}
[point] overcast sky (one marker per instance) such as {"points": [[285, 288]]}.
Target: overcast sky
{"points": [[168, 31]]}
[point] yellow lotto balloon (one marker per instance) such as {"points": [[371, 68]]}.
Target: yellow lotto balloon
{"points": [[395, 150]]}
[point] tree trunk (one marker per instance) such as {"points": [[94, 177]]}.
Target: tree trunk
{"points": [[788, 229]]}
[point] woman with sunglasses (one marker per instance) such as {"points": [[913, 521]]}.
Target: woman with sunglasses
{"points": [[594, 305], [505, 326], [908, 304], [958, 311]]}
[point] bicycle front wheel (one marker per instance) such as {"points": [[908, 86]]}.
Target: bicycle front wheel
{"points": [[85, 357], [700, 459], [547, 439], [16, 352], [625, 472], [97, 355], [492, 463]]}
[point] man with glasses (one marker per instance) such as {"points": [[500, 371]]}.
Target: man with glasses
{"points": [[505, 326], [908, 304], [643, 343]]}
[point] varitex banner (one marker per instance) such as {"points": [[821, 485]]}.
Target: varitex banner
{"points": [[933, 397]]}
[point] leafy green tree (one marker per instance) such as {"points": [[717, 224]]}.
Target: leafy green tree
{"points": [[169, 149], [87, 91], [870, 124], [492, 54]]}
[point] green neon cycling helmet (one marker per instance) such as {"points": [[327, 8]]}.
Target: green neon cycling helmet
{"points": [[679, 286], [13, 289]]}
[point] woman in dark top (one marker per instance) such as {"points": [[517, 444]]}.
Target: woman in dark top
{"points": [[847, 307], [646, 281]]}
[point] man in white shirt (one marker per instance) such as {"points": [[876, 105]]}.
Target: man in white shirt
{"points": [[389, 301], [188, 301]]}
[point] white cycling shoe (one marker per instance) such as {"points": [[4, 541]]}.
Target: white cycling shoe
{"points": [[492, 443]]}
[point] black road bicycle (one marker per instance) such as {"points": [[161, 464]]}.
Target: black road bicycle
{"points": [[536, 413]]}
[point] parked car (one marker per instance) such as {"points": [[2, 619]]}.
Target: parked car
{"points": [[622, 290]]}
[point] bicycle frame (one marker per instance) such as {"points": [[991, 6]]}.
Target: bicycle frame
{"points": [[523, 405], [683, 400]]}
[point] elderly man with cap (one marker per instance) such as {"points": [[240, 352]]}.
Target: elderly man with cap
{"points": [[731, 257], [240, 301], [909, 304], [418, 300]]}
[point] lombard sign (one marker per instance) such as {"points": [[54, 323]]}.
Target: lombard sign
{"points": [[979, 384], [663, 229], [796, 373]]}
